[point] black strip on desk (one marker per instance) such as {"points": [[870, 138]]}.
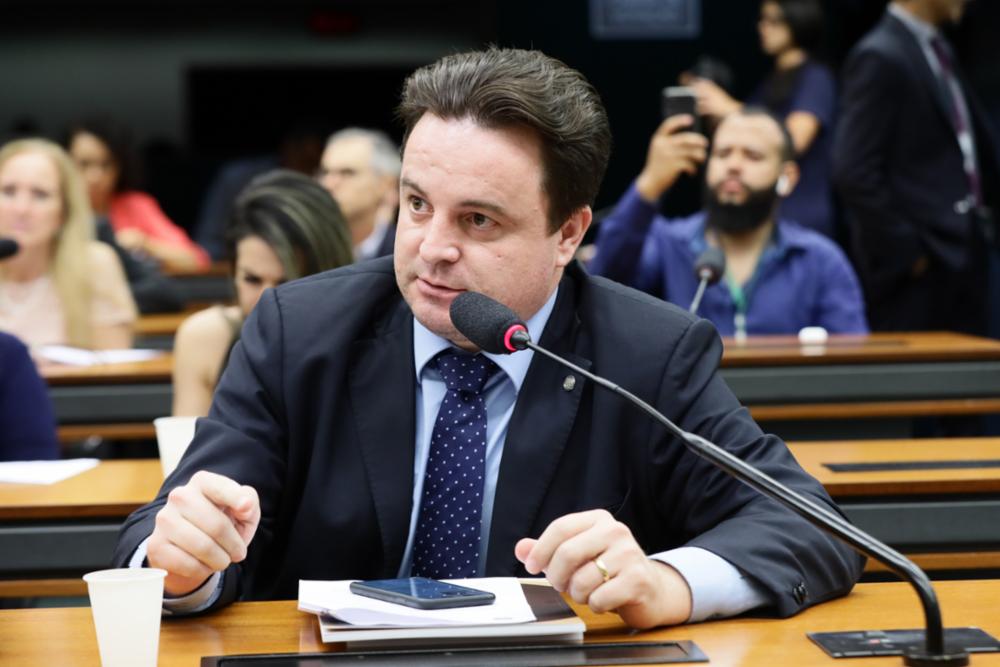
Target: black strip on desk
{"points": [[549, 655], [883, 466]]}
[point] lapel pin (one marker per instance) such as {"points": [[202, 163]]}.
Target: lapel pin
{"points": [[569, 382]]}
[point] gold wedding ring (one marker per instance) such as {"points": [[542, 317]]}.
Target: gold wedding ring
{"points": [[603, 569]]}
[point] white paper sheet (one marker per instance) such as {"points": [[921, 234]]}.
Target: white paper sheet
{"points": [[75, 356], [43, 472], [336, 599]]}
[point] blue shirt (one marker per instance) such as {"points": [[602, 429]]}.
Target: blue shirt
{"points": [[802, 278], [811, 201], [27, 420]]}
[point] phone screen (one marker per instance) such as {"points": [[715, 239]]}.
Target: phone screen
{"points": [[422, 593]]}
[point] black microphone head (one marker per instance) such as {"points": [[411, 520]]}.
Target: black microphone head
{"points": [[486, 322], [711, 265], [8, 248]]}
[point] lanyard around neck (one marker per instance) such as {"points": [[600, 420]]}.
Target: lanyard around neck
{"points": [[741, 302]]}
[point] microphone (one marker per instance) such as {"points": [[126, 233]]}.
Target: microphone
{"points": [[495, 328], [8, 248], [709, 269]]}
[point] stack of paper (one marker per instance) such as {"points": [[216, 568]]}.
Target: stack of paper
{"points": [[531, 611]]}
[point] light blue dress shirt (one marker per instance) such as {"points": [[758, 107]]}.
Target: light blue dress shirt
{"points": [[718, 589]]}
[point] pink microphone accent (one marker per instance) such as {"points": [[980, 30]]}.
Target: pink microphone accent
{"points": [[510, 332]]}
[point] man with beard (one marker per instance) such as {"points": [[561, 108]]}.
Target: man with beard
{"points": [[780, 277]]}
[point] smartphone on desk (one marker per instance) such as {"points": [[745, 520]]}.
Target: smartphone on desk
{"points": [[677, 100], [422, 593]]}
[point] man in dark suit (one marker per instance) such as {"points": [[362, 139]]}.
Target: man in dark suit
{"points": [[357, 434], [360, 168], [915, 165]]}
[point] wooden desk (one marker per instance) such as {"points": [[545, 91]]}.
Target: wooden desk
{"points": [[112, 489], [862, 386], [71, 527], [813, 455], [853, 387], [109, 399], [212, 285], [66, 636], [157, 330], [944, 519]]}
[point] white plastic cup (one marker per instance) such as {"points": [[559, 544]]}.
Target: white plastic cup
{"points": [[173, 435], [126, 604]]}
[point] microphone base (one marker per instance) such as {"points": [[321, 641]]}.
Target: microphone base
{"points": [[920, 658]]}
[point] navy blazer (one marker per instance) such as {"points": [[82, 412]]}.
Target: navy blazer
{"points": [[316, 411], [27, 419], [898, 165]]}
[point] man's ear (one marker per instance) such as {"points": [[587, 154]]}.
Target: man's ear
{"points": [[571, 234], [787, 179]]}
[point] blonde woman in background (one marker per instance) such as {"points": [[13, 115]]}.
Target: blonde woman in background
{"points": [[62, 287], [283, 226]]}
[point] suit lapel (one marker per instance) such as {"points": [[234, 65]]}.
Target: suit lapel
{"points": [[914, 53], [537, 435], [381, 382]]}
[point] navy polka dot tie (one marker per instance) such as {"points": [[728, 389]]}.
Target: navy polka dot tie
{"points": [[447, 541]]}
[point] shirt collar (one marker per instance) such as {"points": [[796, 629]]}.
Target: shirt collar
{"points": [[427, 344], [368, 248], [923, 30]]}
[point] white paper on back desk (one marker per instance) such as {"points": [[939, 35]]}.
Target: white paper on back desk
{"points": [[43, 472], [346, 617]]}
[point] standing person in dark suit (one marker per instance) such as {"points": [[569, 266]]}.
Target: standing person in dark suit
{"points": [[326, 453], [915, 165]]}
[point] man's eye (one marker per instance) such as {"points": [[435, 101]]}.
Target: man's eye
{"points": [[480, 220], [252, 280], [417, 204]]}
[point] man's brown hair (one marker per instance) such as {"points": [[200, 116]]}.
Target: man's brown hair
{"points": [[500, 88]]}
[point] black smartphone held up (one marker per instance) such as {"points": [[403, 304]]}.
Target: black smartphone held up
{"points": [[676, 100], [422, 593]]}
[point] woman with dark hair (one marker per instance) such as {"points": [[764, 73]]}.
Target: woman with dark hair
{"points": [[283, 226], [103, 150], [799, 90]]}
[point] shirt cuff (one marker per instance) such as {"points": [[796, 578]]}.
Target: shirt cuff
{"points": [[197, 600], [718, 589]]}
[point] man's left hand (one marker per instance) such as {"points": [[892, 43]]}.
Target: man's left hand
{"points": [[573, 549]]}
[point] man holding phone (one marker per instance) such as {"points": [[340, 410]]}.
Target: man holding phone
{"points": [[356, 434], [780, 277]]}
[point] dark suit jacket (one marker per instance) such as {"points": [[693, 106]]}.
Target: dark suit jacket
{"points": [[898, 165], [316, 412]]}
